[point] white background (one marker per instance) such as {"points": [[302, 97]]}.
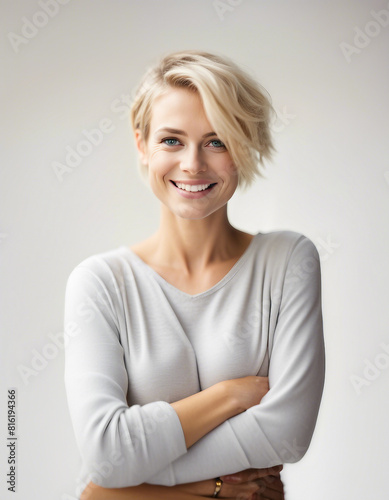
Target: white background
{"points": [[329, 180]]}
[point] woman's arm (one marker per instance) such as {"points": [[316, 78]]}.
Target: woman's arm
{"points": [[246, 483], [130, 444], [141, 492], [202, 412], [120, 445], [199, 414]]}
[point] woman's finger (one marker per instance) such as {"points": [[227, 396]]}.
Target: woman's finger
{"points": [[251, 474], [262, 489], [243, 491], [271, 488], [272, 483]]}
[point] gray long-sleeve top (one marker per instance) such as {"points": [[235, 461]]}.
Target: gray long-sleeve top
{"points": [[135, 343]]}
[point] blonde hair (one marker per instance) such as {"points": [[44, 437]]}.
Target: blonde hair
{"points": [[238, 108]]}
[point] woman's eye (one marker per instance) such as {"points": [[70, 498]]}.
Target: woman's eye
{"points": [[217, 144], [171, 142]]}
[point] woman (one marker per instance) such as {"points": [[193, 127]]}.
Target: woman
{"points": [[194, 361]]}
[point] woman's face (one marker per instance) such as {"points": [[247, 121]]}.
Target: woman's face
{"points": [[184, 156]]}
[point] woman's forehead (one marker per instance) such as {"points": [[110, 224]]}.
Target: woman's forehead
{"points": [[177, 96], [176, 108]]}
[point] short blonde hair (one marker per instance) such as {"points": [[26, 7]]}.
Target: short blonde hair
{"points": [[238, 107]]}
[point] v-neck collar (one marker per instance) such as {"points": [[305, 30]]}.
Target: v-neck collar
{"points": [[227, 277]]}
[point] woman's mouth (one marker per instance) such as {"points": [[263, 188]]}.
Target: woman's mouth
{"points": [[193, 191]]}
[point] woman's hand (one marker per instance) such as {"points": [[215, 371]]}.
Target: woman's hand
{"points": [[247, 391], [268, 483], [250, 484]]}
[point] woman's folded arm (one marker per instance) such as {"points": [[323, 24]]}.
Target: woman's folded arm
{"points": [[125, 445]]}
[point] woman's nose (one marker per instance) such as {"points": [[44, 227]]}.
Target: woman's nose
{"points": [[193, 161]]}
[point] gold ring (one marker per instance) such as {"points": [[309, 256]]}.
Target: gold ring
{"points": [[218, 487]]}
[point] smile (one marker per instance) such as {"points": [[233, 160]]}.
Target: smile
{"points": [[193, 191]]}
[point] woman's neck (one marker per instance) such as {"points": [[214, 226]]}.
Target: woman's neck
{"points": [[192, 245]]}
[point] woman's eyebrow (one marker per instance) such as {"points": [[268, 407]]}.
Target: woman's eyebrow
{"points": [[180, 132]]}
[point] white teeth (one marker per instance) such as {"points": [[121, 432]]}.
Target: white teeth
{"points": [[192, 189]]}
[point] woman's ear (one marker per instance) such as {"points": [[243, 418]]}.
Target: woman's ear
{"points": [[140, 146]]}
